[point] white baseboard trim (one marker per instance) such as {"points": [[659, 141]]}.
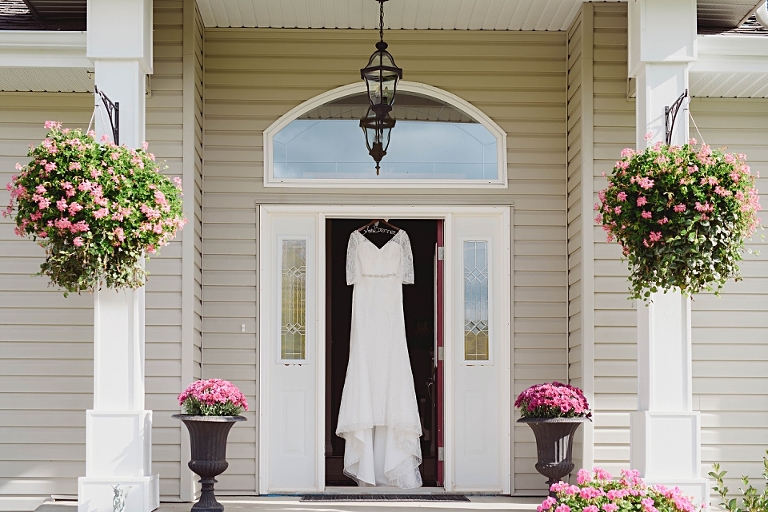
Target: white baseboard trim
{"points": [[21, 503]]}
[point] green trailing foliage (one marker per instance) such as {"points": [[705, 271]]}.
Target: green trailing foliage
{"points": [[681, 215], [752, 500], [97, 209]]}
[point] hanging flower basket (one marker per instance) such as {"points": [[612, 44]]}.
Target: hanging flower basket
{"points": [[96, 208], [681, 215]]}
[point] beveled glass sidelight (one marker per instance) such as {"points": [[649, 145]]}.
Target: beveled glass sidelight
{"points": [[476, 339], [293, 291]]}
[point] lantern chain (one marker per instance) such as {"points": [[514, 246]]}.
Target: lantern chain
{"points": [[381, 20]]}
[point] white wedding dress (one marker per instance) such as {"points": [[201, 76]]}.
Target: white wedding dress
{"points": [[379, 416]]}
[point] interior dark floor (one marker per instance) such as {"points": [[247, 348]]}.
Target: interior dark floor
{"points": [[419, 309]]}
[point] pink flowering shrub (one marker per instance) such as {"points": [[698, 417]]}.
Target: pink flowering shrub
{"points": [[213, 397], [597, 491], [552, 400], [96, 209], [681, 215]]}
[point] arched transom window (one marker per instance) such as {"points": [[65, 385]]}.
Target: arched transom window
{"points": [[438, 140]]}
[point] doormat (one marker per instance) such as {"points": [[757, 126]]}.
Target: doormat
{"points": [[384, 497]]}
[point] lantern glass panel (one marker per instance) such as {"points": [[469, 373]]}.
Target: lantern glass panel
{"points": [[381, 76]]}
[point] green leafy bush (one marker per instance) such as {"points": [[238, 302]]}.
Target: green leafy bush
{"points": [[751, 500]]}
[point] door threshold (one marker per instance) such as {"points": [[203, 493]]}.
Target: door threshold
{"points": [[343, 489]]}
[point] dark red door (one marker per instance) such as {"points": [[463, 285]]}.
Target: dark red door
{"points": [[439, 315]]}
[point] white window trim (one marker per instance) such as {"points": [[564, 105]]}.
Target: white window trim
{"points": [[359, 87], [504, 344], [44, 49]]}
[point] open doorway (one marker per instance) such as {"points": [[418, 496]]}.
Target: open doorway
{"points": [[419, 306]]}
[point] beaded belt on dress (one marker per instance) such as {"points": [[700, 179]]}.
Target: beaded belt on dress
{"points": [[377, 275]]}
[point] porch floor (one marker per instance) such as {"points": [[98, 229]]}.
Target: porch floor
{"points": [[292, 504]]}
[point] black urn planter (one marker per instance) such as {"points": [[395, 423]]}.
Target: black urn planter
{"points": [[554, 445], [208, 443]]}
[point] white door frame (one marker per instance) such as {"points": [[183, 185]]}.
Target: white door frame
{"points": [[445, 213]]}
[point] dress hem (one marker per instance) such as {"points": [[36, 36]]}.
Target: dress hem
{"points": [[405, 475]]}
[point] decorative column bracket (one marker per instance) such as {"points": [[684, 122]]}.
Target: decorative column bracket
{"points": [[113, 111], [670, 116]]}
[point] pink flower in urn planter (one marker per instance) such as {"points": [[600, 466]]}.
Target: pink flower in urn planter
{"points": [[213, 397], [554, 411], [212, 407], [552, 400]]}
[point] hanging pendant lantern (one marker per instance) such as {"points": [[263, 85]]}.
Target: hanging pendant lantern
{"points": [[381, 74], [377, 130]]}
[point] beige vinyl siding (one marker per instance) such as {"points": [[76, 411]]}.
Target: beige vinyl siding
{"points": [[198, 221], [730, 333], [46, 341], [615, 317], [192, 246], [579, 243], [165, 135], [253, 76], [575, 218]]}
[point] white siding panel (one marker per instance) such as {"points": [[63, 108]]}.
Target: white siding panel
{"points": [[730, 333], [251, 79]]}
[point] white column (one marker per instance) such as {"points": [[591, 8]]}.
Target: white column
{"points": [[665, 431], [118, 428]]}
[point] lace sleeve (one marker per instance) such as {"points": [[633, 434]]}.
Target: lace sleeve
{"points": [[406, 259], [353, 271]]}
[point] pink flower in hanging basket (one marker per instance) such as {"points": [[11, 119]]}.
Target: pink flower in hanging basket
{"points": [[88, 210]]}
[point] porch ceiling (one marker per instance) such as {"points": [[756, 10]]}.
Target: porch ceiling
{"points": [[29, 79], [58, 9], [550, 15], [715, 16]]}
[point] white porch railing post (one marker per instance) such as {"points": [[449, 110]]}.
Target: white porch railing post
{"points": [[118, 428], [665, 431]]}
